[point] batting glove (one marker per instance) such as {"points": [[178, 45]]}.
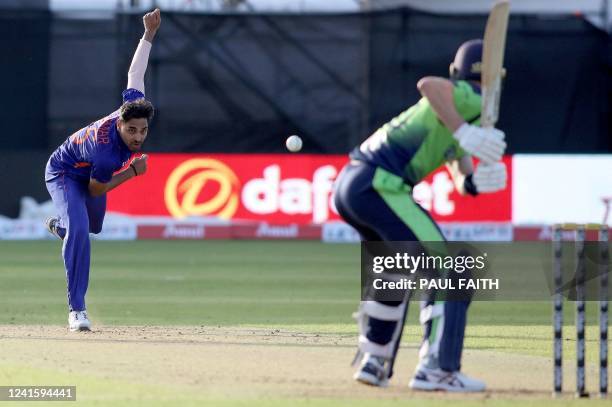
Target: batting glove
{"points": [[490, 177], [487, 144]]}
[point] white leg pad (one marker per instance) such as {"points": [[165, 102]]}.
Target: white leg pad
{"points": [[430, 312], [382, 312], [428, 352]]}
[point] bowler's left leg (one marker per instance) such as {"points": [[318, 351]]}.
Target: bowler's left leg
{"points": [[96, 209]]}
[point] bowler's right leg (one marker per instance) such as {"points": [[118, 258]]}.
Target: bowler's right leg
{"points": [[69, 197]]}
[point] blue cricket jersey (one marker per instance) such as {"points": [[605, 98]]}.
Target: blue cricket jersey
{"points": [[95, 151]]}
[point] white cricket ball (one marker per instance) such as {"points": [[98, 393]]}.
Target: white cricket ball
{"points": [[294, 144]]}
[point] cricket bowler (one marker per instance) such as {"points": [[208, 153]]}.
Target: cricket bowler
{"points": [[374, 195], [87, 166]]}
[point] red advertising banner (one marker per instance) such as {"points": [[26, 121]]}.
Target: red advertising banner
{"points": [[276, 188], [437, 194]]}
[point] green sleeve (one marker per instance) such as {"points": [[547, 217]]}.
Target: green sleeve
{"points": [[467, 102]]}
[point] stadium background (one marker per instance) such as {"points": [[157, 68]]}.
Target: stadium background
{"points": [[231, 82]]}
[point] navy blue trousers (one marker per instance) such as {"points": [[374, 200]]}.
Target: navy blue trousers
{"points": [[380, 207], [79, 214]]}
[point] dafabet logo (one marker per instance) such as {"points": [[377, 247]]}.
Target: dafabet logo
{"points": [[202, 187], [212, 187]]}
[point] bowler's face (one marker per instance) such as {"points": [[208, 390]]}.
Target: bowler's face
{"points": [[133, 132]]}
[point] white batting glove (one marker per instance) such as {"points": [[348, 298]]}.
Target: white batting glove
{"points": [[490, 177], [487, 144]]}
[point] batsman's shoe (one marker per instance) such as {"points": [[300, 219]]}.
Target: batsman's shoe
{"points": [[470, 382], [438, 379], [52, 225], [372, 371], [78, 321]]}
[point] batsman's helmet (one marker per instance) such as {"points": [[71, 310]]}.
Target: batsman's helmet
{"points": [[468, 61]]}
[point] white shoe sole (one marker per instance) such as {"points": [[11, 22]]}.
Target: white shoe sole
{"points": [[370, 379], [80, 328], [429, 386]]}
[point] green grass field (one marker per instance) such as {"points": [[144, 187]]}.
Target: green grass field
{"points": [[306, 287]]}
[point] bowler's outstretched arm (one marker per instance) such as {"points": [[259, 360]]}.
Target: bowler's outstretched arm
{"points": [[140, 60]]}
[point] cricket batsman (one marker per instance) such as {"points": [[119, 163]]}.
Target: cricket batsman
{"points": [[87, 166], [373, 194]]}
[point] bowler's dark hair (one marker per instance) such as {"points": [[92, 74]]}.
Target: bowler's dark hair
{"points": [[137, 109]]}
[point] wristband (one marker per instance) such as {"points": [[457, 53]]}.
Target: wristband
{"points": [[134, 168], [469, 187]]}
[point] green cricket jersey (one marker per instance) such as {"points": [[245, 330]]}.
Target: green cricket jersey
{"points": [[415, 143]]}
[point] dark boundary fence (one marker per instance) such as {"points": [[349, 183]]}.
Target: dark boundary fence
{"points": [[243, 82]]}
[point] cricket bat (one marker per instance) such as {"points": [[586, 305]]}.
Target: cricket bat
{"points": [[494, 45]]}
